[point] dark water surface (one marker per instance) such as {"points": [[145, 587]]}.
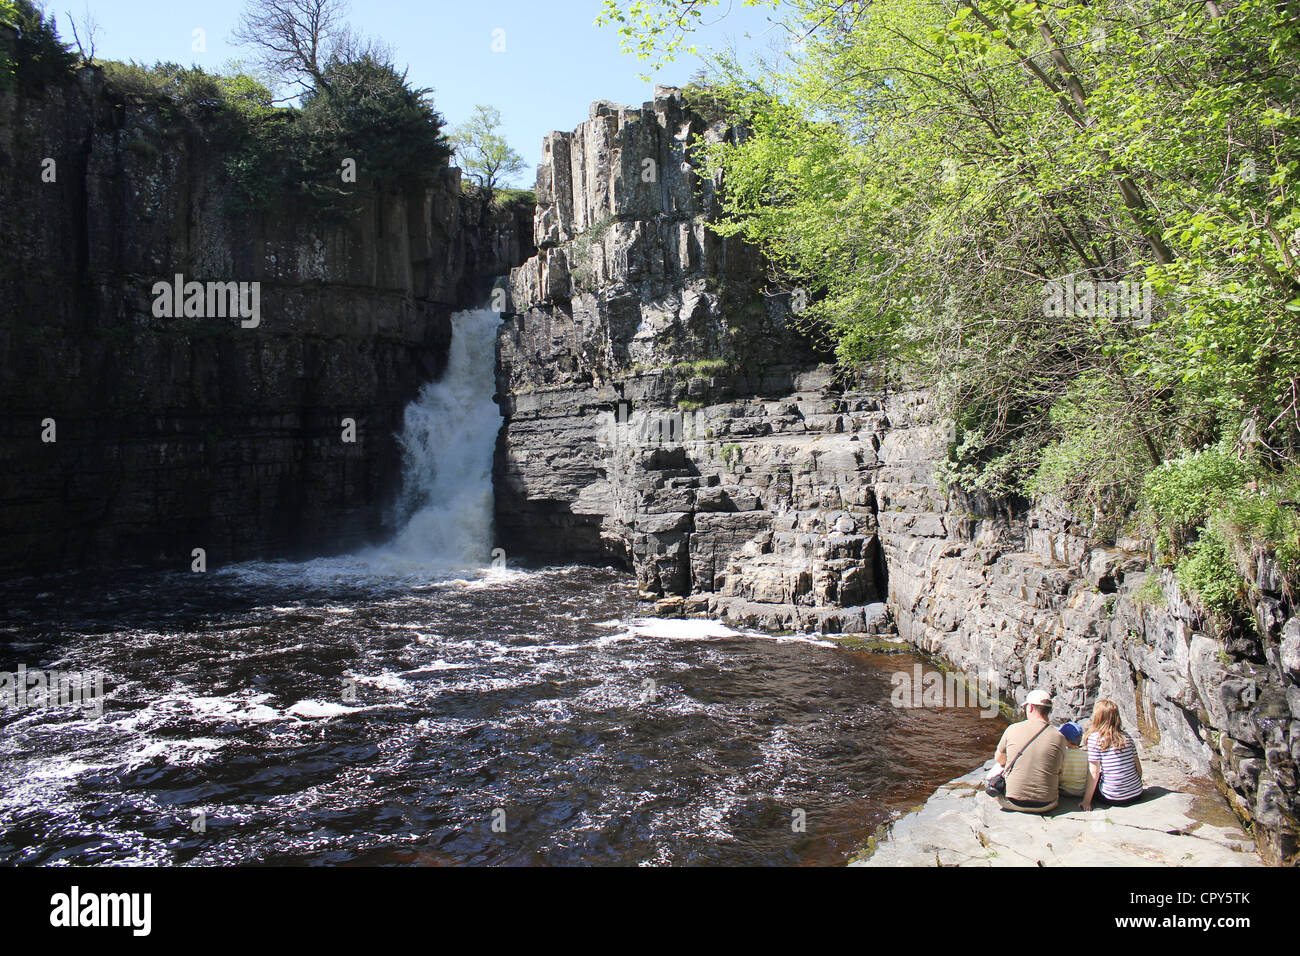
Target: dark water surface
{"points": [[326, 713]]}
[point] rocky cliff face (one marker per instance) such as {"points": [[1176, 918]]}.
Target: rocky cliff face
{"points": [[661, 412], [660, 408], [1033, 600], [177, 433]]}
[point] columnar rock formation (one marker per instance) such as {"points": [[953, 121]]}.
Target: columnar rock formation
{"points": [[662, 412], [660, 406], [176, 433]]}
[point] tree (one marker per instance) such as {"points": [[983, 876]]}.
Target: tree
{"points": [[935, 172], [296, 38], [89, 26], [482, 153], [33, 55], [392, 130]]}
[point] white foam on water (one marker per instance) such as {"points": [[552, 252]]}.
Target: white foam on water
{"points": [[388, 682], [496, 577], [816, 640], [315, 709], [701, 629], [246, 710], [434, 667], [198, 750], [679, 629]]}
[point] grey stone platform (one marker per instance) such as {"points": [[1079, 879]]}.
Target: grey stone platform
{"points": [[1180, 822]]}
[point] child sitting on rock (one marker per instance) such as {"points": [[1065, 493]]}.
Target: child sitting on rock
{"points": [[1074, 768]]}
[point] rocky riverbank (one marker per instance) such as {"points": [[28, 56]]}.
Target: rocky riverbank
{"points": [[662, 412], [1182, 821]]}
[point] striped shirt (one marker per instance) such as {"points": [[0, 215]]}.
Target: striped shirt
{"points": [[1120, 779], [1074, 772]]}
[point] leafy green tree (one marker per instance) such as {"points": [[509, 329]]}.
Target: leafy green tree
{"points": [[931, 170], [482, 153], [31, 53]]}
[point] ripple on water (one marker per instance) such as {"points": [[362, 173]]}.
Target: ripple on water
{"points": [[345, 711]]}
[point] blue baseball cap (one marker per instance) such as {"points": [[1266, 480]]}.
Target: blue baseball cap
{"points": [[1071, 732]]}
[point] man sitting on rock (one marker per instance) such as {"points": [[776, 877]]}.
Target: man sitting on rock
{"points": [[1034, 777]]}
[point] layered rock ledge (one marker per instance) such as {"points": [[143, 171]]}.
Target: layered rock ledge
{"points": [[1180, 822], [663, 412]]}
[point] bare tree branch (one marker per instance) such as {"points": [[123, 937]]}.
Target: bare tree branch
{"points": [[296, 38]]}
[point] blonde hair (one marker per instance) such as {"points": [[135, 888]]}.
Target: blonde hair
{"points": [[1105, 725]]}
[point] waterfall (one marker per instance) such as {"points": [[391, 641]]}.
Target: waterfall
{"points": [[448, 438]]}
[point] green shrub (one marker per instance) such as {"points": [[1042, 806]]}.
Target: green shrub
{"points": [[1185, 492], [1151, 593], [1209, 572], [977, 463], [222, 106], [1095, 463], [504, 198], [133, 80], [274, 155], [369, 113], [1266, 520], [1215, 512], [701, 367]]}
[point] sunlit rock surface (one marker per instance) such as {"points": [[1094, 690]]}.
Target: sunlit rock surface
{"points": [[662, 412], [1174, 825]]}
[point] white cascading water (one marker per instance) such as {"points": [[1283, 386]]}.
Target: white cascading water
{"points": [[448, 439], [444, 512]]}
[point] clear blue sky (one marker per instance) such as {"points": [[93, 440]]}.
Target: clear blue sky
{"points": [[556, 62]]}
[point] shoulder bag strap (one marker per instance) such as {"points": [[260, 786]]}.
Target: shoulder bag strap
{"points": [[1007, 773]]}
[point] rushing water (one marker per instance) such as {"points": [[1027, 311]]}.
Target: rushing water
{"points": [[411, 705], [447, 443]]}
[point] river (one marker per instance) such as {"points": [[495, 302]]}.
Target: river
{"points": [[423, 703]]}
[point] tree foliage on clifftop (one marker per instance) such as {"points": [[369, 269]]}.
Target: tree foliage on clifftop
{"points": [[936, 171], [485, 156], [280, 154], [31, 53]]}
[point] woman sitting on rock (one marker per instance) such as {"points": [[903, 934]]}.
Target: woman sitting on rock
{"points": [[1114, 770]]}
